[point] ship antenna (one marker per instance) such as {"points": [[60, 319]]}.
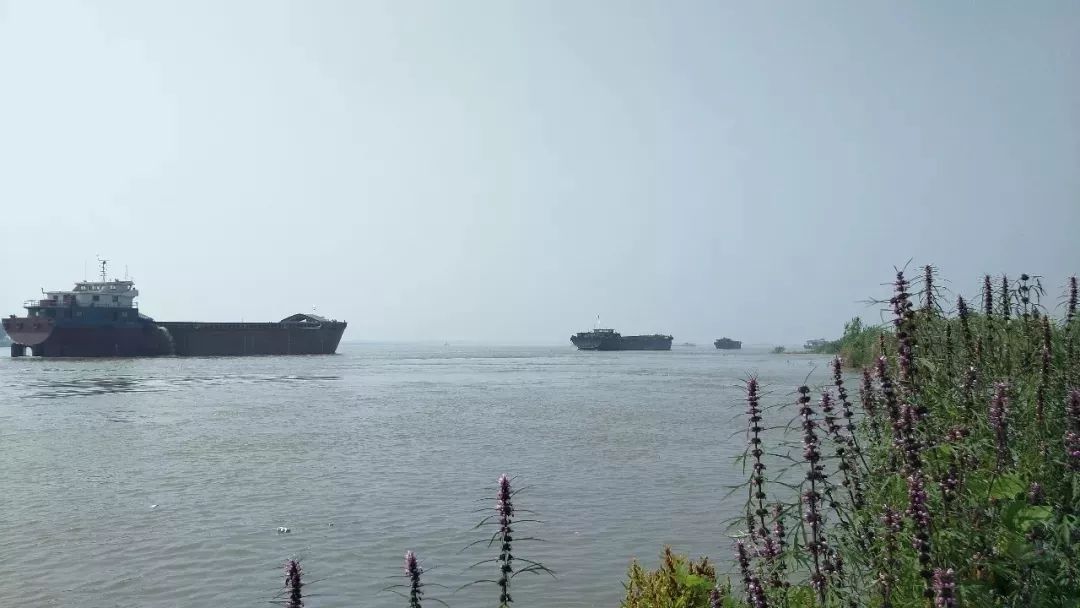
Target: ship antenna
{"points": [[597, 322], [103, 274]]}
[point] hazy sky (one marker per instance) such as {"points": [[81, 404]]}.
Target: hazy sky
{"points": [[505, 171]]}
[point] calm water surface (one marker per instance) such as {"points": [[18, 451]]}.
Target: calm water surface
{"points": [[363, 455]]}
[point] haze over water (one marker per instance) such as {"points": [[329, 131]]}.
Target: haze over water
{"points": [[477, 170], [363, 455]]}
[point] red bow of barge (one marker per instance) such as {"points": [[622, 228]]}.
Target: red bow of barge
{"points": [[102, 319]]}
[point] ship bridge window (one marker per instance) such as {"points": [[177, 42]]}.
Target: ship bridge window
{"points": [[96, 298]]}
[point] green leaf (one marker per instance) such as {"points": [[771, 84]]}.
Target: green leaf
{"points": [[1032, 515], [927, 365], [1008, 514], [1006, 486]]}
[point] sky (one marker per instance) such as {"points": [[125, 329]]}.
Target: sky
{"points": [[505, 171]]}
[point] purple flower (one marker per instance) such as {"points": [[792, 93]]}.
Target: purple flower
{"points": [[950, 483], [904, 321], [504, 507], [812, 500], [778, 525], [999, 411], [893, 520], [779, 534], [944, 588], [957, 434], [811, 452], [842, 395], [928, 288], [716, 598], [816, 543], [769, 550], [828, 412], [757, 477], [867, 394], [846, 445], [917, 497], [894, 523], [1072, 450], [892, 405], [1072, 435], [743, 557], [293, 574], [751, 583], [909, 443], [413, 572], [1005, 297], [503, 504], [919, 512], [758, 599], [964, 313], [1073, 291]]}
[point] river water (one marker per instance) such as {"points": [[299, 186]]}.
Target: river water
{"points": [[163, 482]]}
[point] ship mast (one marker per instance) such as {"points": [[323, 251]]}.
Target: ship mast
{"points": [[104, 275]]}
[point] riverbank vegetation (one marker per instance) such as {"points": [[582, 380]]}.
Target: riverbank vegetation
{"points": [[953, 478], [859, 345]]}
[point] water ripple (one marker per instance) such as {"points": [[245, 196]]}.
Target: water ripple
{"points": [[363, 455]]}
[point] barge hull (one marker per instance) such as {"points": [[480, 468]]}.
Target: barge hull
{"points": [[191, 339], [613, 341], [102, 342]]}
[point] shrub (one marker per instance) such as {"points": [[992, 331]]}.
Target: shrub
{"points": [[678, 583]]}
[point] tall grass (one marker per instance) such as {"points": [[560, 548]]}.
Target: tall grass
{"points": [[859, 345]]}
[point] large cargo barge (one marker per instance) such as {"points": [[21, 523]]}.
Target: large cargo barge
{"points": [[609, 339], [102, 319]]}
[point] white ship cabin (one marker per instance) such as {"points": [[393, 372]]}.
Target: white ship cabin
{"points": [[96, 294]]}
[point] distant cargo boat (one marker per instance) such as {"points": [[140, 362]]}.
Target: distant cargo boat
{"points": [[727, 344], [815, 344], [102, 319], [609, 339]]}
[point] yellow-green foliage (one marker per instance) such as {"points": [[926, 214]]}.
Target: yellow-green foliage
{"points": [[679, 582], [860, 344]]}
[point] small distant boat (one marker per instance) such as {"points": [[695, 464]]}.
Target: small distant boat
{"points": [[727, 344], [815, 344], [688, 344]]}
